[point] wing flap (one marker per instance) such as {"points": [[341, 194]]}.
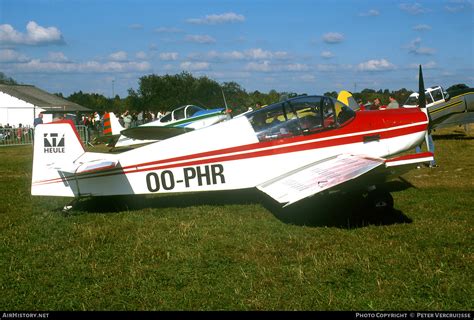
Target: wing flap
{"points": [[328, 173], [318, 176]]}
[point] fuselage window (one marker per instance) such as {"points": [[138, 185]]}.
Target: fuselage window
{"points": [[437, 95]]}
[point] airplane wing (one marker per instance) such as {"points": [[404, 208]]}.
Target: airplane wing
{"points": [[322, 175], [454, 119], [154, 132]]}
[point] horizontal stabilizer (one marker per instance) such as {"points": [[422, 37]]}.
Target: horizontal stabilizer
{"points": [[96, 165], [99, 165], [154, 132], [318, 176]]}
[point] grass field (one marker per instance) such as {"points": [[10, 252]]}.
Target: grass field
{"points": [[236, 251]]}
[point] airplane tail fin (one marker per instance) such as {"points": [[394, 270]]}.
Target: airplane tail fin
{"points": [[347, 98], [56, 146], [112, 125]]}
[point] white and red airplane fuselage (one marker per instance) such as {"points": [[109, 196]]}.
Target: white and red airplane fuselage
{"points": [[229, 155]]}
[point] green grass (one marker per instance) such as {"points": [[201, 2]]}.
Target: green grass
{"points": [[236, 251]]}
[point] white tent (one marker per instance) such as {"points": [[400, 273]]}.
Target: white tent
{"points": [[23, 103]]}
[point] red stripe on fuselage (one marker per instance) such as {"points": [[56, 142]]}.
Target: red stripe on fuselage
{"points": [[366, 123]]}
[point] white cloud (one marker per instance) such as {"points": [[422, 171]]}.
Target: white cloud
{"points": [[229, 17], [307, 78], [428, 65], [327, 54], [415, 47], [333, 37], [459, 5], [422, 27], [370, 13], [167, 30], [263, 66], [141, 55], [35, 35], [264, 54], [169, 56], [10, 55], [194, 66], [296, 67], [375, 65], [57, 57], [37, 65], [205, 39], [326, 67], [235, 55], [414, 8], [118, 56], [267, 66]]}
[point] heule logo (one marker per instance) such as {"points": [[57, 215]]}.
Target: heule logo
{"points": [[53, 144]]}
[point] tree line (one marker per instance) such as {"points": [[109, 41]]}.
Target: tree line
{"points": [[166, 92]]}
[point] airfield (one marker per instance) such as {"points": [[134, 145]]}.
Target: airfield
{"points": [[238, 250]]}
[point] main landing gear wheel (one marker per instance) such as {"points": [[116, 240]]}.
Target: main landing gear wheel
{"points": [[380, 200]]}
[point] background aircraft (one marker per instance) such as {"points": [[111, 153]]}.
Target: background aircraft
{"points": [[178, 121], [446, 109]]}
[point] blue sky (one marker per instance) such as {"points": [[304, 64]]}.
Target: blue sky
{"points": [[297, 46]]}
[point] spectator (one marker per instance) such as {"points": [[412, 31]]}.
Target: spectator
{"points": [[38, 120], [393, 103], [19, 132], [377, 105], [127, 120]]}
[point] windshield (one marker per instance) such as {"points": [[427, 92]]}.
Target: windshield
{"points": [[412, 101], [298, 116], [191, 110]]}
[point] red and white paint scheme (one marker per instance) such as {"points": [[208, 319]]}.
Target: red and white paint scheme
{"points": [[289, 150]]}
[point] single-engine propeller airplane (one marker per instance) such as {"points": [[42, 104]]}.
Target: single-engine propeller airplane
{"points": [[178, 121], [290, 150]]}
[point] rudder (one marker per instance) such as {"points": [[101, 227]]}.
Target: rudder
{"points": [[56, 146]]}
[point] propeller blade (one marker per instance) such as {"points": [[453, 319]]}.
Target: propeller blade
{"points": [[421, 90]]}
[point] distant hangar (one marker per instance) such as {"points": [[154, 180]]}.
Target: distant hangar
{"points": [[23, 103]]}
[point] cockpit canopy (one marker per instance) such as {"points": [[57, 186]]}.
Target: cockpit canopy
{"points": [[299, 116], [183, 112]]}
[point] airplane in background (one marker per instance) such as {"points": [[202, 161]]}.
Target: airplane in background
{"points": [[446, 110], [180, 120], [290, 150]]}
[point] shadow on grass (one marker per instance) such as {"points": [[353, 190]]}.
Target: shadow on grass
{"points": [[347, 210], [452, 136]]}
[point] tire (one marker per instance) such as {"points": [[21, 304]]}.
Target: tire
{"points": [[380, 201]]}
